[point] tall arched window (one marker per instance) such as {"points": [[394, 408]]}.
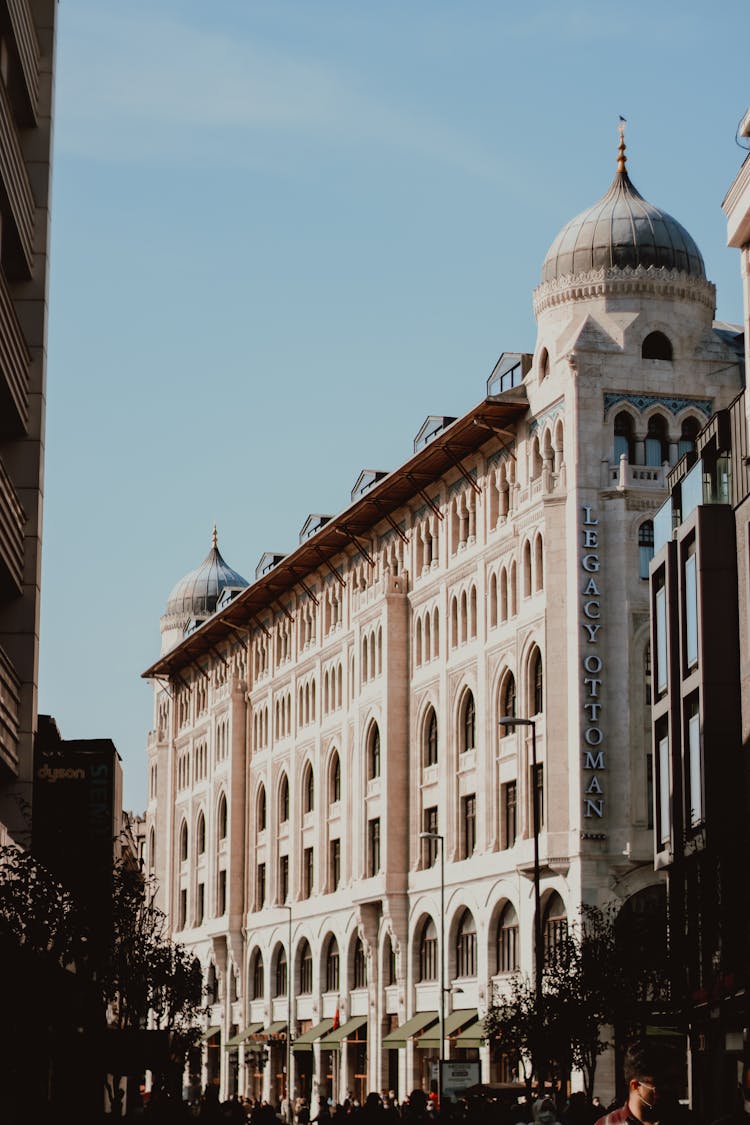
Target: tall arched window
{"points": [[335, 775], [256, 976], [536, 683], [332, 965], [428, 952], [526, 569], [360, 965], [656, 448], [305, 968], [430, 751], [262, 808], [688, 434], [538, 563], [656, 346], [280, 978], [284, 799], [183, 842], [623, 428], [466, 946], [508, 696], [554, 926], [389, 962], [645, 547], [201, 835], [507, 940], [468, 723], [223, 818], [373, 752], [308, 789]]}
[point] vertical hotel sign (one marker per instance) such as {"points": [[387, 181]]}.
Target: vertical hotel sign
{"points": [[593, 743]]}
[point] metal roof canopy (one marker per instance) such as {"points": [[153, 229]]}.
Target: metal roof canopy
{"points": [[400, 1036], [464, 436], [453, 1022], [334, 1039], [304, 1042]]}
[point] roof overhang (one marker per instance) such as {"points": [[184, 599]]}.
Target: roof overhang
{"points": [[496, 414]]}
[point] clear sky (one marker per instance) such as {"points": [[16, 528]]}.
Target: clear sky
{"points": [[283, 233]]}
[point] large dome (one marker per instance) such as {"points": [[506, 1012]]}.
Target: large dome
{"points": [[198, 592], [621, 230]]}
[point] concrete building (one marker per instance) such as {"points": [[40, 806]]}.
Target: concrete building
{"points": [[311, 725], [27, 33]]}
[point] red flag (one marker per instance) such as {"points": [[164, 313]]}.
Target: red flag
{"points": [[335, 1020]]}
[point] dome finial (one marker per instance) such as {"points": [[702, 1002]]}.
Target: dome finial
{"points": [[214, 538], [621, 157]]}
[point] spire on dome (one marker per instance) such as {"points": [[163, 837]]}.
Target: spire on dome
{"points": [[215, 538], [621, 157]]}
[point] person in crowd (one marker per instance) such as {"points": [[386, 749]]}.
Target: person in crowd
{"points": [[649, 1074]]}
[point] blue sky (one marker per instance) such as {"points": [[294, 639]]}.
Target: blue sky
{"points": [[284, 233]]}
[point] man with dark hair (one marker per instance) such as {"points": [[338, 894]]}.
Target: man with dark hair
{"points": [[649, 1074]]}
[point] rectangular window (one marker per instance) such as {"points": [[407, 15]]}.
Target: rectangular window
{"points": [[695, 763], [307, 873], [283, 878], [373, 847], [661, 640], [469, 825], [261, 887], [691, 610], [665, 808], [200, 905], [183, 908], [221, 896], [650, 789], [430, 846], [335, 864], [510, 824]]}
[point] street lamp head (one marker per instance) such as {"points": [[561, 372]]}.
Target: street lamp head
{"points": [[513, 721], [430, 836]]}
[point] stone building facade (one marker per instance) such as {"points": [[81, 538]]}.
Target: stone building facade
{"points": [[310, 726]]}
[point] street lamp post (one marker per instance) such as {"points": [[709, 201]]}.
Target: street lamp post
{"points": [[441, 840], [289, 976], [510, 721]]}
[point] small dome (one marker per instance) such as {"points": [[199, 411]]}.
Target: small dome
{"points": [[622, 229], [198, 592]]}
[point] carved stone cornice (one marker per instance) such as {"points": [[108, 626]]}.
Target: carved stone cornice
{"points": [[616, 282]]}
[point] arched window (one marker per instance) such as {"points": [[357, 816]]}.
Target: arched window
{"points": [[468, 723], [284, 799], [526, 569], [656, 346], [389, 962], [493, 600], [256, 976], [360, 965], [262, 808], [373, 752], [623, 428], [543, 364], [183, 842], [688, 434], [656, 441], [201, 835], [151, 850], [332, 965], [508, 697], [466, 946], [280, 979], [507, 940], [430, 751], [335, 776], [645, 547], [538, 563], [223, 818], [305, 968], [554, 927], [536, 683], [308, 788], [428, 952]]}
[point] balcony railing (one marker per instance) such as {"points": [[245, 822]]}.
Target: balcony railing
{"points": [[16, 181], [28, 48], [12, 520], [624, 475], [14, 359], [10, 703]]}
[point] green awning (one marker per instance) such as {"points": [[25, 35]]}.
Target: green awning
{"points": [[235, 1040], [277, 1028], [209, 1033], [304, 1042], [472, 1036], [334, 1039], [408, 1030], [453, 1023]]}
